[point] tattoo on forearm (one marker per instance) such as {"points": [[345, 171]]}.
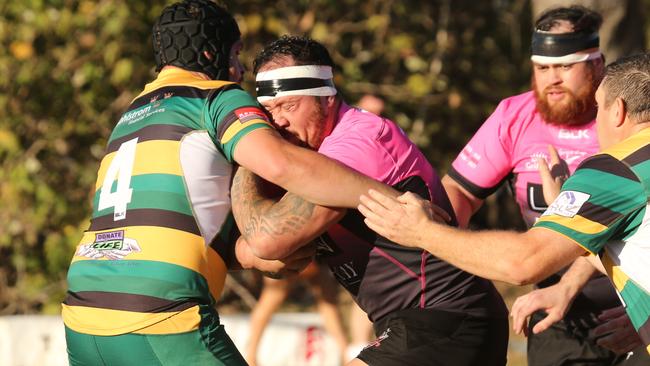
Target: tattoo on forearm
{"points": [[257, 214]]}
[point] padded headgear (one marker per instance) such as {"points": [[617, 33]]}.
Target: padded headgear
{"points": [[185, 30]]}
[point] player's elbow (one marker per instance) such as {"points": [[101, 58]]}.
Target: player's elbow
{"points": [[263, 247], [520, 272], [520, 278]]}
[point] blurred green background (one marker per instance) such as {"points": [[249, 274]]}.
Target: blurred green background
{"points": [[69, 68]]}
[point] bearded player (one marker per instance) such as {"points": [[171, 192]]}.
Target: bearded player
{"points": [[559, 111]]}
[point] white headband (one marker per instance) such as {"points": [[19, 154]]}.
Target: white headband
{"points": [[571, 58], [313, 80]]}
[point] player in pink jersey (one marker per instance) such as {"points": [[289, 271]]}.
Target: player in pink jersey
{"points": [[424, 311], [506, 149], [560, 111], [601, 212]]}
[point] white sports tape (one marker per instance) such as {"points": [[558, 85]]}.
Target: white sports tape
{"points": [[294, 72], [566, 59]]}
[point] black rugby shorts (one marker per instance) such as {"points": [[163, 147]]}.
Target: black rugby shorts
{"points": [[437, 338]]}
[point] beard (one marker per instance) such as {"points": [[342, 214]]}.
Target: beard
{"points": [[318, 118], [575, 109]]}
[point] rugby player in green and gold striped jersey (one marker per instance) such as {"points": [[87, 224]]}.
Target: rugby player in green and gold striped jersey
{"points": [[145, 278], [603, 209]]}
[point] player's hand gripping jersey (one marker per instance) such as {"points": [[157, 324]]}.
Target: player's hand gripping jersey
{"points": [[506, 148], [614, 224], [162, 198], [384, 277]]}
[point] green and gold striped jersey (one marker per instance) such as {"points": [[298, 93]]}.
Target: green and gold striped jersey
{"points": [[604, 208], [155, 247]]}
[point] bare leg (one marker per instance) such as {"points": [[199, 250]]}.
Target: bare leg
{"points": [[325, 290], [360, 331], [356, 362], [273, 295]]}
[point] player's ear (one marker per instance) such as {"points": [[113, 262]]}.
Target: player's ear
{"points": [[331, 101], [619, 109]]}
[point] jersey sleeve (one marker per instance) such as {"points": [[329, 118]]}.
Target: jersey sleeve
{"points": [[595, 203], [230, 115], [485, 161]]}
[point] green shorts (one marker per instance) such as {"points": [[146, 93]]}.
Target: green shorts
{"points": [[208, 345]]}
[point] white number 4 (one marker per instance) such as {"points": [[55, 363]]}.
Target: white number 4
{"points": [[121, 169]]}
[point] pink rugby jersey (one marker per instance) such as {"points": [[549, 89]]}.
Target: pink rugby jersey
{"points": [[382, 276], [505, 148]]}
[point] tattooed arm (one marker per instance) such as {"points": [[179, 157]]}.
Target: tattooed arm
{"points": [[275, 228]]}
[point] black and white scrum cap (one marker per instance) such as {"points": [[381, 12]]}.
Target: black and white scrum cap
{"points": [[313, 80], [564, 48]]}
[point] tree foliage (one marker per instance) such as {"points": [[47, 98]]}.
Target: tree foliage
{"points": [[71, 67]]}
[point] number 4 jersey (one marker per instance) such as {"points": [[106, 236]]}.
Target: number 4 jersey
{"points": [[161, 209]]}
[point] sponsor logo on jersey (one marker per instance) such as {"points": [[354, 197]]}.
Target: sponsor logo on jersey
{"points": [[535, 195], [346, 273], [531, 164], [136, 115], [248, 114], [567, 204], [572, 134], [569, 156], [110, 245], [377, 342], [471, 157], [140, 114]]}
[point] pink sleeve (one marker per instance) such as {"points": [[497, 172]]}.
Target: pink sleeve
{"points": [[486, 159]]}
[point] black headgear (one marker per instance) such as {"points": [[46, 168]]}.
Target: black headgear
{"points": [[560, 44], [564, 48], [185, 30]]}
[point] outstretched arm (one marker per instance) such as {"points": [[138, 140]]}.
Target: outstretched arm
{"points": [[518, 258], [275, 228], [616, 331], [306, 173], [464, 203], [555, 300]]}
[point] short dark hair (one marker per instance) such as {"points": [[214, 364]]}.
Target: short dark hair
{"points": [[304, 51], [628, 78], [583, 20]]}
